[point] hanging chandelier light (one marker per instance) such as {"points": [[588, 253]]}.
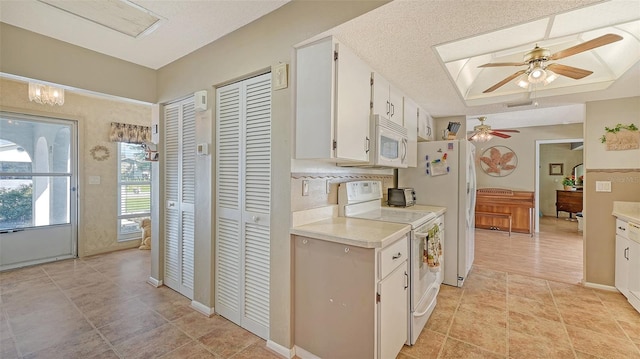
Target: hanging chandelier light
{"points": [[45, 94]]}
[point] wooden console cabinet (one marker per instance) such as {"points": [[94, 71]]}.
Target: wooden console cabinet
{"points": [[494, 205], [568, 201]]}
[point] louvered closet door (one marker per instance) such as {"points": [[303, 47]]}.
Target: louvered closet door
{"points": [[244, 202], [180, 152]]}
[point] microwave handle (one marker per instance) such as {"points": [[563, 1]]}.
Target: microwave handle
{"points": [[404, 147]]}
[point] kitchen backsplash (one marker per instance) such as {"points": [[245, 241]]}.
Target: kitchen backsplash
{"points": [[318, 183]]}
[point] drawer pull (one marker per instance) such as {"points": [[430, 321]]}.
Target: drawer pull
{"points": [[622, 228], [396, 256]]}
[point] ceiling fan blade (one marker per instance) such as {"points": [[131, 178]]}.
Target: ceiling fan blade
{"points": [[497, 64], [499, 84], [585, 46], [569, 71], [503, 135], [516, 131]]}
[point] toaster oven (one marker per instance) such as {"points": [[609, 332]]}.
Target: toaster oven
{"points": [[401, 197]]}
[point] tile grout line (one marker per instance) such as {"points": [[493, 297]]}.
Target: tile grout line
{"points": [[564, 325], [446, 335], [82, 313], [617, 322], [11, 334], [508, 313]]}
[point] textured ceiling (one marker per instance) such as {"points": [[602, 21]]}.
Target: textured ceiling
{"points": [[186, 26], [397, 39]]}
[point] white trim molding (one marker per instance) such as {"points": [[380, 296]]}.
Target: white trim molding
{"points": [[304, 354], [201, 308], [279, 349], [600, 286], [155, 282]]}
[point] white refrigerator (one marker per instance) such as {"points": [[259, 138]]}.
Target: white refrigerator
{"points": [[446, 177]]}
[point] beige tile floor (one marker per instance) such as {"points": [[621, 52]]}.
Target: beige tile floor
{"points": [[102, 307]]}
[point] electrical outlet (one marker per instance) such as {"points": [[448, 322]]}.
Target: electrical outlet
{"points": [[603, 186], [305, 187], [328, 187]]}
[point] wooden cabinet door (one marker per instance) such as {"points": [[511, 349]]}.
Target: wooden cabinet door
{"points": [[622, 265], [393, 312]]}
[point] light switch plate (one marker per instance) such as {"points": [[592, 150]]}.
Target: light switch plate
{"points": [[280, 77], [94, 179], [305, 187], [603, 186]]}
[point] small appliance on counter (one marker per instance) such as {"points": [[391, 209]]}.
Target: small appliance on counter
{"points": [[401, 197]]}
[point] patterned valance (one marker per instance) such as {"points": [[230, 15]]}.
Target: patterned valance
{"points": [[123, 132]]}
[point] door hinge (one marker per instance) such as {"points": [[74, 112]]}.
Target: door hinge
{"points": [[377, 297], [335, 56], [371, 81], [335, 144], [371, 104]]}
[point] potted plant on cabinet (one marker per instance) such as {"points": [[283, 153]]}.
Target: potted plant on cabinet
{"points": [[568, 183]]}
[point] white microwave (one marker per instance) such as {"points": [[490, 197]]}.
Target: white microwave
{"points": [[389, 143]]}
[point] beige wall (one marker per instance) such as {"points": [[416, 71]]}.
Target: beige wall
{"points": [[250, 50], [34, 56], [524, 145], [555, 153], [98, 203], [622, 169]]}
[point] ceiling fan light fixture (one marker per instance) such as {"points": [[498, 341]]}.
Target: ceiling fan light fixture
{"points": [[551, 76], [537, 74], [522, 81]]}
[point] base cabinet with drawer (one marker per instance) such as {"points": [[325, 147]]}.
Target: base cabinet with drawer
{"points": [[568, 201], [349, 301]]}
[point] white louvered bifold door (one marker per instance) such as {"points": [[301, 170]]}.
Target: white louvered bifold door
{"points": [[244, 202], [180, 152]]}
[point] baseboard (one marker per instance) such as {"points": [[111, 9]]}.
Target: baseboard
{"points": [[155, 282], [600, 286], [303, 354], [201, 308], [279, 349]]}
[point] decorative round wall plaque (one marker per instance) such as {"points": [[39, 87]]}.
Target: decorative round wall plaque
{"points": [[498, 161], [99, 153]]}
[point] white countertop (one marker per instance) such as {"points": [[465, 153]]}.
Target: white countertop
{"points": [[352, 231], [628, 211]]}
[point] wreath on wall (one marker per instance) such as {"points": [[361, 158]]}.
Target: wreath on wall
{"points": [[99, 153]]}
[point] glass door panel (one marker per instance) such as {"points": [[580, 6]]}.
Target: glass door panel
{"points": [[38, 197]]}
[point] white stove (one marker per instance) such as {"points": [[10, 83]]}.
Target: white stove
{"points": [[362, 199]]}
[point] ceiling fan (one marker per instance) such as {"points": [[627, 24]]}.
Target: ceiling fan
{"points": [[538, 71], [482, 132]]}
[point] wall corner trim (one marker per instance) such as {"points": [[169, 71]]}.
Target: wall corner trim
{"points": [[279, 349], [155, 282], [203, 309]]}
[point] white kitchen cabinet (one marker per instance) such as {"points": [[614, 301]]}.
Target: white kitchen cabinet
{"points": [[349, 301], [333, 89], [627, 265], [411, 124], [387, 100], [425, 126], [622, 265]]}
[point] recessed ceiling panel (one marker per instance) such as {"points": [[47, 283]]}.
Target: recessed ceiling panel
{"points": [[118, 15], [593, 17], [494, 41]]}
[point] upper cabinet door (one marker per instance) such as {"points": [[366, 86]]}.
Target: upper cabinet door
{"points": [[332, 103], [411, 124], [380, 96], [397, 111], [353, 106]]}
